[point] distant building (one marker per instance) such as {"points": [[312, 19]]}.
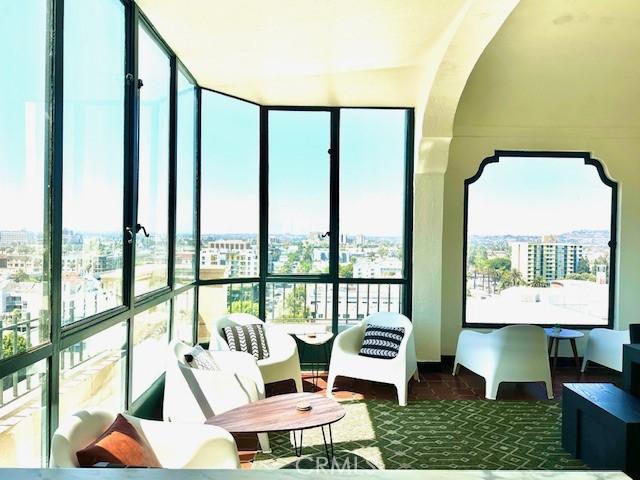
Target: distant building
{"points": [[548, 260], [239, 257], [378, 268], [8, 237]]}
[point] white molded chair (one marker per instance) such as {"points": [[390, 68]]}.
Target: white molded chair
{"points": [[283, 362], [517, 353], [175, 445], [604, 346], [346, 361], [193, 395]]}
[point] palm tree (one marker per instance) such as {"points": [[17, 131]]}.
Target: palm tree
{"points": [[538, 282]]}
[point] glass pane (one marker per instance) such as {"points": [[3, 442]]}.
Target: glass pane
{"points": [[185, 268], [152, 253], [372, 187], [150, 341], [358, 300], [299, 166], [93, 149], [217, 300], [23, 417], [93, 372], [300, 307], [537, 243], [183, 316], [24, 319], [230, 187]]}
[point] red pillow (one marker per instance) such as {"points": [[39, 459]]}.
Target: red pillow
{"points": [[120, 444]]}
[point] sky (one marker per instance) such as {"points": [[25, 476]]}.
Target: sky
{"points": [[537, 196]]}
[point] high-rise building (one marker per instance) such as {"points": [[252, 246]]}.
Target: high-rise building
{"points": [[547, 260]]}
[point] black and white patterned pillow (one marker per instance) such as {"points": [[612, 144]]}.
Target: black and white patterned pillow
{"points": [[381, 342], [248, 338]]}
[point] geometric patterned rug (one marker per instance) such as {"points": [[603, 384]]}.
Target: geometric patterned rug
{"points": [[435, 434]]}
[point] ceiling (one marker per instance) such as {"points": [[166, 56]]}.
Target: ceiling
{"points": [[307, 52]]}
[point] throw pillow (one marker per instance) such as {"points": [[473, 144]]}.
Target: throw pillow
{"points": [[381, 342], [201, 359], [120, 444], [248, 338]]}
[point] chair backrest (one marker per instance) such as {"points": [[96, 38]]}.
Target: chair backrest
{"points": [[192, 395], [76, 432], [393, 319], [217, 341], [521, 349]]}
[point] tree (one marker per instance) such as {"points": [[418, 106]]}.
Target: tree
{"points": [[587, 277], [8, 344], [346, 270], [583, 265], [511, 278], [499, 264], [245, 306], [538, 282], [20, 276], [296, 303]]}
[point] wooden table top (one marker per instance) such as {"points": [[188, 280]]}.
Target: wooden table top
{"points": [[279, 413]]}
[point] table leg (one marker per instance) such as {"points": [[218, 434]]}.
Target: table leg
{"points": [[555, 356], [575, 353], [297, 448], [550, 346], [328, 446]]}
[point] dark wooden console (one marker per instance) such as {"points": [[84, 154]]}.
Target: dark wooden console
{"points": [[601, 426]]}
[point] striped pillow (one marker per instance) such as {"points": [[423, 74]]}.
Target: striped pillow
{"points": [[381, 342], [248, 338]]}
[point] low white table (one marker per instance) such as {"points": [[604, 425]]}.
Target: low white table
{"points": [[563, 334], [314, 341]]}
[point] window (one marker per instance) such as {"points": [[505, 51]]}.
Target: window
{"points": [[300, 307], [230, 175], [93, 155], [540, 239], [183, 316], [152, 252], [24, 317], [299, 188], [372, 188], [215, 301], [358, 300], [149, 351], [92, 372], [23, 403], [185, 267]]}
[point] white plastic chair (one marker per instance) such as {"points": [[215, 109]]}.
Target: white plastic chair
{"points": [[175, 445], [517, 353], [283, 362], [346, 361], [193, 395], [604, 346]]}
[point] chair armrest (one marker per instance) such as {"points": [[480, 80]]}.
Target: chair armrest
{"points": [[179, 445], [349, 341], [243, 364]]}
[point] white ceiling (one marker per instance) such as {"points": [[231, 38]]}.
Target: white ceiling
{"points": [[306, 52]]}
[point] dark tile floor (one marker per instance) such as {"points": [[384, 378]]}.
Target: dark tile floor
{"points": [[433, 385]]}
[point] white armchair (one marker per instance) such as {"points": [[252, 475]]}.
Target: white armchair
{"points": [[346, 361], [193, 395], [517, 353], [283, 362], [604, 346], [199, 446]]}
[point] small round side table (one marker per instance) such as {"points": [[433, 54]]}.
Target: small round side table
{"points": [[563, 334], [314, 341]]}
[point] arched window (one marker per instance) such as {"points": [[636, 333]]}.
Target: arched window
{"points": [[539, 241]]}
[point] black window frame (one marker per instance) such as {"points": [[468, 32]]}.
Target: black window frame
{"points": [[613, 242]]}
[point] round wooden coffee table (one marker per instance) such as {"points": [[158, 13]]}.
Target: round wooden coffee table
{"points": [[279, 414]]}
